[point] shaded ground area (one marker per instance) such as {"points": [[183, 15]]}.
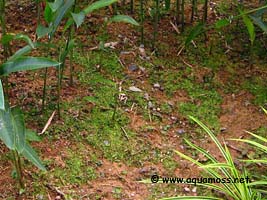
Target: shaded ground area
{"points": [[125, 115]]}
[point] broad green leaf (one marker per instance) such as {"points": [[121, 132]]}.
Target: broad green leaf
{"points": [[24, 50], [194, 33], [26, 63], [48, 14], [42, 31], [222, 23], [124, 18], [6, 131], [9, 37], [21, 52], [192, 197], [2, 97], [97, 5], [12, 129], [32, 136], [55, 5], [60, 14], [18, 127], [250, 27], [78, 18], [32, 156], [259, 22]]}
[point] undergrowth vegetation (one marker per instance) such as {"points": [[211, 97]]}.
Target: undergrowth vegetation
{"points": [[102, 91]]}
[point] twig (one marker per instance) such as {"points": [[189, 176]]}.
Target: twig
{"points": [[48, 123], [187, 63], [125, 133], [57, 190], [175, 28]]}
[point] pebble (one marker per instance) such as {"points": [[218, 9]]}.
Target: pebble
{"points": [[133, 67], [194, 190], [223, 129], [156, 85], [135, 89], [187, 189], [106, 142], [150, 105], [146, 96], [180, 131]]}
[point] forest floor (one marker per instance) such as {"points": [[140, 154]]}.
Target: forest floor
{"points": [[128, 109]]}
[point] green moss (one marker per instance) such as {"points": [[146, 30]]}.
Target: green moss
{"points": [[258, 87]]}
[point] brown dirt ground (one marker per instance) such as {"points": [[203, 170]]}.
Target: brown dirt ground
{"points": [[238, 114]]}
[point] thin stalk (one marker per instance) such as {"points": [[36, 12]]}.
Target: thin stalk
{"points": [[156, 23], [62, 60], [142, 20], [71, 68], [7, 50], [45, 80], [205, 15], [59, 91], [177, 12], [132, 7], [17, 163], [193, 11], [38, 4], [183, 14]]}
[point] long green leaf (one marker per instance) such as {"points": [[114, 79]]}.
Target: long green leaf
{"points": [[2, 97], [18, 128], [32, 156], [198, 29], [97, 5], [9, 37], [125, 19], [26, 63], [78, 18], [250, 27], [55, 5], [60, 14], [6, 130], [192, 197]]}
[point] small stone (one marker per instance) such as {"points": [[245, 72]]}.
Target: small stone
{"points": [[174, 118], [150, 105], [187, 189], [106, 142], [156, 85], [135, 89], [58, 197], [133, 67], [194, 190], [180, 131], [223, 129], [146, 96], [40, 197]]}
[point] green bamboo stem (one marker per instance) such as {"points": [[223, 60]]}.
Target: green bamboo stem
{"points": [[38, 4], [142, 21], [183, 15], [205, 15], [156, 23], [17, 163], [7, 50], [193, 11], [177, 12], [132, 7]]}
